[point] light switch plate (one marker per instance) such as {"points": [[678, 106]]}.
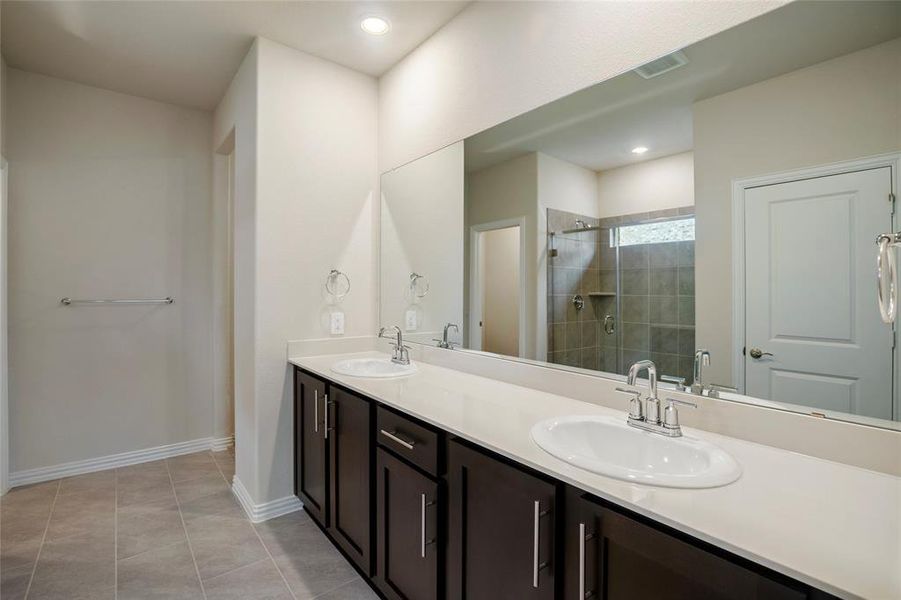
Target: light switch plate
{"points": [[411, 323], [336, 323]]}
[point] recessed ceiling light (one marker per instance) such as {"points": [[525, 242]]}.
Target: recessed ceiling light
{"points": [[639, 150], [375, 25]]}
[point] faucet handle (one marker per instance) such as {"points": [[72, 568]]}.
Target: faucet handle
{"points": [[671, 415], [714, 389], [635, 410], [679, 382]]}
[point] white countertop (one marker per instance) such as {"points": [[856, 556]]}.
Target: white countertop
{"points": [[830, 525]]}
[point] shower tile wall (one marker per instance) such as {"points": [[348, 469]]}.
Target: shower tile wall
{"points": [[658, 301], [584, 265], [657, 298]]}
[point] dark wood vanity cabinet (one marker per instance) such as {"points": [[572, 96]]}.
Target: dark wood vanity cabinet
{"points": [[611, 556], [310, 445], [501, 529], [425, 517], [349, 429], [409, 547]]}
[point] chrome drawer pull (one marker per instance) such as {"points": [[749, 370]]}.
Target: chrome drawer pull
{"points": [[392, 435], [581, 561]]}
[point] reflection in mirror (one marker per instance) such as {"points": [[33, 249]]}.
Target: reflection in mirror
{"points": [[714, 211], [421, 268]]}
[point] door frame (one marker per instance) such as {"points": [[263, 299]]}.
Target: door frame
{"points": [[475, 298], [739, 187], [4, 354]]}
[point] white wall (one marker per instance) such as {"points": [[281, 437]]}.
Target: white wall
{"points": [[647, 186], [305, 182], [109, 197], [422, 231], [235, 129], [842, 109], [496, 60]]}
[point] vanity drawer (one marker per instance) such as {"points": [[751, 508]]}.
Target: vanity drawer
{"points": [[408, 439]]}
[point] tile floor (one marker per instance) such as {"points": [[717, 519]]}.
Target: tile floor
{"points": [[165, 529]]}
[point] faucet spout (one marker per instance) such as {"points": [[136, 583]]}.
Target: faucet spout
{"points": [[652, 404]]}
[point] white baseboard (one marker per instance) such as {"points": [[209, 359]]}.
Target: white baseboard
{"points": [[223, 443], [112, 461], [257, 513]]}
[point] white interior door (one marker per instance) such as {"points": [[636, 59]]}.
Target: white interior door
{"points": [[810, 297]]}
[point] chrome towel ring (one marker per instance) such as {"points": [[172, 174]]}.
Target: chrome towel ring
{"points": [[887, 276], [333, 284], [416, 283]]}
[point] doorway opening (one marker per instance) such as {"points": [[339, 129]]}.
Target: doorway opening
{"points": [[497, 319]]}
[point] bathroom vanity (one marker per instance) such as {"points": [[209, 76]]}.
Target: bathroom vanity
{"points": [[431, 486]]}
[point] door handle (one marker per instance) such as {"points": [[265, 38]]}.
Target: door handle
{"points": [[609, 325], [581, 561], [758, 353]]}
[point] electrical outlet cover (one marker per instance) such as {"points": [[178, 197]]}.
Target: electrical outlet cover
{"points": [[336, 323], [411, 320]]}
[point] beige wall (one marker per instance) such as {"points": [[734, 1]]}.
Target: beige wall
{"points": [[508, 191], [842, 109], [496, 60], [306, 184], [499, 256], [647, 186], [109, 197], [422, 231]]}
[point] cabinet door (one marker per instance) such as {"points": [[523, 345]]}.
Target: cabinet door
{"points": [[310, 471], [500, 529], [610, 556], [350, 449], [407, 507]]}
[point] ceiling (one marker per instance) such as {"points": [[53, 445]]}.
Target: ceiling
{"points": [[598, 127], [186, 52]]}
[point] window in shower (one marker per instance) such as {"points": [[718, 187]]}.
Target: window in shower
{"points": [[677, 230]]}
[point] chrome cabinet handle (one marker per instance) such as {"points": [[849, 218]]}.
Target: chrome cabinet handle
{"points": [[581, 561], [316, 411], [536, 538], [325, 405], [392, 435], [423, 541], [758, 353]]}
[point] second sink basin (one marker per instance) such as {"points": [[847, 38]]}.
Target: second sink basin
{"points": [[608, 446], [378, 368]]}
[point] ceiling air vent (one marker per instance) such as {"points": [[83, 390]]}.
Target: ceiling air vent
{"points": [[663, 65]]}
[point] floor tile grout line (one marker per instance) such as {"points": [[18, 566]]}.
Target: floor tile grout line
{"points": [[185, 528], [37, 558], [337, 587], [262, 543]]}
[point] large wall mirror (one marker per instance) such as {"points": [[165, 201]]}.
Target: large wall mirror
{"points": [[719, 205]]}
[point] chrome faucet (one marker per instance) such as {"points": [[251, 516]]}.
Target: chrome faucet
{"points": [[444, 342], [649, 417], [401, 351], [702, 359]]}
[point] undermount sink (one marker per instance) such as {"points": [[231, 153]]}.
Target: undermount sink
{"points": [[376, 368], [608, 446]]}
